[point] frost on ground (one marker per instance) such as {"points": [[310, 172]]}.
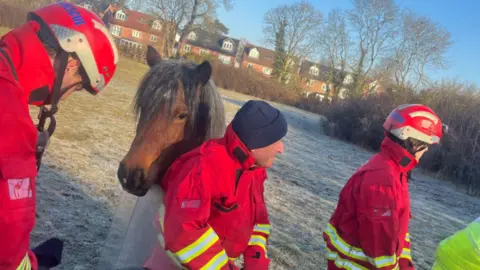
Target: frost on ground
{"points": [[78, 190]]}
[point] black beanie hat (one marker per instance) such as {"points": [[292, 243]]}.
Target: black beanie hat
{"points": [[258, 124]]}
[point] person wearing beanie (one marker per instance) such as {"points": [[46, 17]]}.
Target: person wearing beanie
{"points": [[214, 209]]}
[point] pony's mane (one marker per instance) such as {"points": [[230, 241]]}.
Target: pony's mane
{"points": [[157, 94]]}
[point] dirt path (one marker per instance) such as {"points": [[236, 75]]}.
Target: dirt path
{"points": [[78, 190]]}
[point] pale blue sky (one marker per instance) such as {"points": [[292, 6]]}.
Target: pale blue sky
{"points": [[460, 17]]}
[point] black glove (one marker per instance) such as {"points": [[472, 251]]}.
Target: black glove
{"points": [[49, 253]]}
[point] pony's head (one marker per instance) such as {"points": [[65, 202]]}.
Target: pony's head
{"points": [[178, 107]]}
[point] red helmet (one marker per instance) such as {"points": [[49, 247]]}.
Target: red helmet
{"points": [[414, 121], [78, 30]]}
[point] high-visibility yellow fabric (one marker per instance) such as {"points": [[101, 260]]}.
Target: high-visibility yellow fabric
{"points": [[460, 251], [25, 264]]}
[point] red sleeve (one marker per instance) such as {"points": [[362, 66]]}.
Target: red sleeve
{"points": [[18, 134], [187, 233], [377, 219], [256, 254], [17, 179], [406, 262]]}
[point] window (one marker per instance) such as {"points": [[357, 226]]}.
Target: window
{"points": [[348, 79], [204, 52], [224, 59], [253, 53], [324, 87], [153, 38], [130, 44], [136, 34], [87, 6], [250, 65], [290, 63], [227, 45], [314, 71], [266, 70], [187, 48], [311, 83], [120, 15], [192, 36], [157, 25], [288, 78], [116, 30]]}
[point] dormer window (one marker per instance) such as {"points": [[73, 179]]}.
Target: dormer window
{"points": [[157, 25], [314, 71], [192, 36], [290, 63], [254, 53], [227, 45], [121, 15]]}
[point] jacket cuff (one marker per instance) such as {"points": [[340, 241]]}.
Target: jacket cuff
{"points": [[254, 258]]}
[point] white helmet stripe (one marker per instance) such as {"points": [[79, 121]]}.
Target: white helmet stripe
{"points": [[424, 114]]}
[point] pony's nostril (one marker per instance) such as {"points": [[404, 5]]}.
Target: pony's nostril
{"points": [[138, 177], [122, 174]]}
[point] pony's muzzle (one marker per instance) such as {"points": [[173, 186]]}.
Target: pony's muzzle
{"points": [[132, 181]]}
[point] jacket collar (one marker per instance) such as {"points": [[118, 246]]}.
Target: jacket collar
{"points": [[237, 150], [30, 60], [400, 156]]}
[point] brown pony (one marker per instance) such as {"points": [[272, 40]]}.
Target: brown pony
{"points": [[178, 108]]}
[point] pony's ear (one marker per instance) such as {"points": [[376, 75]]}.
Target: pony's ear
{"points": [[204, 71], [153, 57]]}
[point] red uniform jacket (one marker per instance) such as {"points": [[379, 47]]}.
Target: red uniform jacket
{"points": [[369, 228], [24, 66], [214, 207]]}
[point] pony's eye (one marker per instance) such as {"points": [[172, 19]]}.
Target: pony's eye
{"points": [[182, 116]]}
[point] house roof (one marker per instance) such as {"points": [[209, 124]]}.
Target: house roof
{"points": [[213, 42], [135, 20], [322, 74], [266, 57]]}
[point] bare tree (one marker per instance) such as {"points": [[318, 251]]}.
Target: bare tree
{"points": [[423, 45], [173, 13], [375, 24], [178, 13], [303, 22], [335, 42], [200, 10]]}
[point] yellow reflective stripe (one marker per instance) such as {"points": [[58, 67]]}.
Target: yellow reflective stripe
{"points": [[356, 252], [262, 228], [161, 216], [233, 259], [198, 247], [25, 264], [406, 254], [217, 262], [29, 266], [343, 263], [407, 237], [258, 240]]}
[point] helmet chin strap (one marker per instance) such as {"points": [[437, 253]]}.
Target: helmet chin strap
{"points": [[61, 61]]}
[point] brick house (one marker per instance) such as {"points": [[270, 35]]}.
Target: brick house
{"points": [[132, 28], [201, 42], [259, 59], [313, 78]]}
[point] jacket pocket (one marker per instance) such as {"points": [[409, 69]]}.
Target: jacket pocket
{"points": [[17, 192]]}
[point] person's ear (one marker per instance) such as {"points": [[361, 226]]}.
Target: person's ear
{"points": [[73, 64]]}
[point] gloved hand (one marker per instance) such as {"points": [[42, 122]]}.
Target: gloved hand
{"points": [[405, 264]]}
